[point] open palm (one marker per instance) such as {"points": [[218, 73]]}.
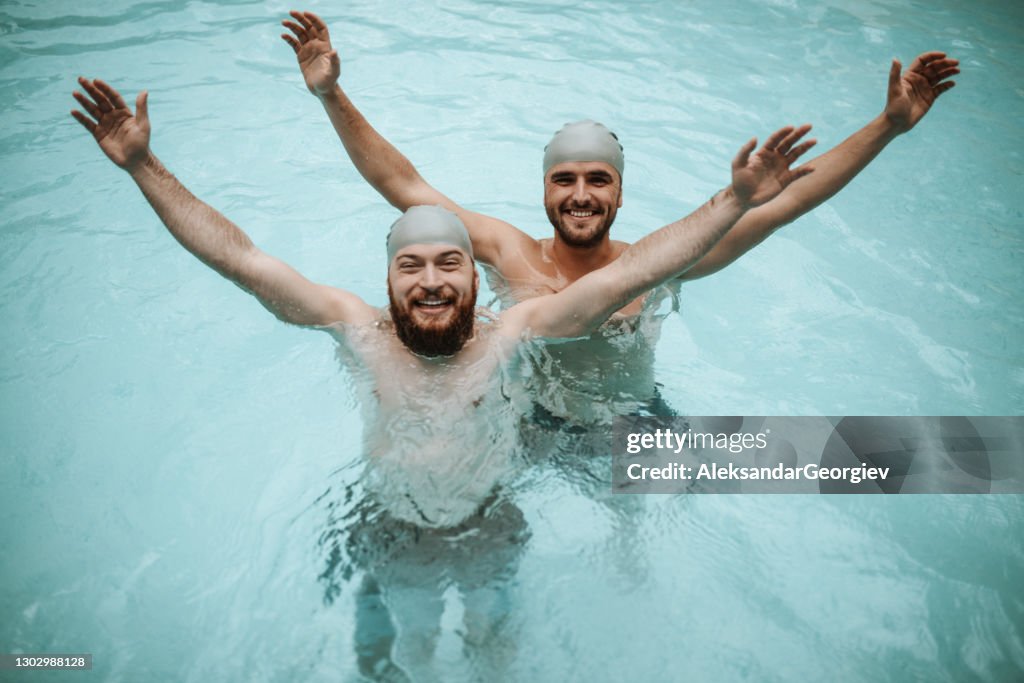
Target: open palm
{"points": [[758, 178], [123, 136], [912, 93], [312, 45]]}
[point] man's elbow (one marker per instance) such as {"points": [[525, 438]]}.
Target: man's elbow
{"points": [[402, 186]]}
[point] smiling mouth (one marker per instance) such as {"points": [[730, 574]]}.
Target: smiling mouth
{"points": [[433, 305], [580, 214]]}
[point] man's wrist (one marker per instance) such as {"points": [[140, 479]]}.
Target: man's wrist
{"points": [[143, 166], [728, 198], [889, 126], [332, 95]]}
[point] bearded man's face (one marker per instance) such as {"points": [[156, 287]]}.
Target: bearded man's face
{"points": [[432, 292]]}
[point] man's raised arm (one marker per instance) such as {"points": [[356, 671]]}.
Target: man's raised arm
{"points": [[376, 159], [211, 237], [669, 252], [910, 96]]}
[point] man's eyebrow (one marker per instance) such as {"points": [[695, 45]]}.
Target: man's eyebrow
{"points": [[603, 175], [451, 252], [560, 175]]}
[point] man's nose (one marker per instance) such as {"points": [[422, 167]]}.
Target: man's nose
{"points": [[430, 278], [581, 193]]}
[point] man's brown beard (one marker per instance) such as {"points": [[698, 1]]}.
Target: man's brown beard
{"points": [[435, 341], [555, 216]]}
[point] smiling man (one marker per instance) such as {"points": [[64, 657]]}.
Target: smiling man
{"points": [[583, 167], [432, 372], [611, 372], [430, 250]]}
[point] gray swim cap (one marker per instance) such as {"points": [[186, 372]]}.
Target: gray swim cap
{"points": [[427, 225], [584, 141]]}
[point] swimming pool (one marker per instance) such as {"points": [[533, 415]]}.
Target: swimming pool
{"points": [[177, 464]]}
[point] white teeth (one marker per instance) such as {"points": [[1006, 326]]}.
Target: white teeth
{"points": [[433, 302], [581, 214]]}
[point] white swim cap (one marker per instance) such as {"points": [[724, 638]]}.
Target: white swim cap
{"points": [[427, 225], [584, 141]]}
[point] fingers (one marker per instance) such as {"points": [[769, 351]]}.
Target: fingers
{"points": [[306, 25], [111, 94], [87, 104], [299, 32], [943, 87], [939, 69], [782, 141], [105, 99], [935, 67], [799, 151], [792, 138], [925, 58], [744, 154], [291, 41], [314, 25], [316, 22], [936, 72], [86, 122], [309, 27], [798, 173], [940, 64], [777, 137], [301, 18], [101, 100]]}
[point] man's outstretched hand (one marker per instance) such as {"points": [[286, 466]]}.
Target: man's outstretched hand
{"points": [[911, 94], [312, 45], [759, 177], [122, 136]]}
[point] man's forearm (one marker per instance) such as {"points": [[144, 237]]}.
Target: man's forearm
{"points": [[198, 227], [668, 252], [376, 159], [833, 170], [837, 167], [664, 254]]}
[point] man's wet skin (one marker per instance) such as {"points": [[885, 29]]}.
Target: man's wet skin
{"points": [[583, 195], [581, 199], [432, 295]]}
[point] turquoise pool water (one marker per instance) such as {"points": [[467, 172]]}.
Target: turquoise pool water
{"points": [[179, 492]]}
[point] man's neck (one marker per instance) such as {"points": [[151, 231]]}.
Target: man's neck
{"points": [[575, 262]]}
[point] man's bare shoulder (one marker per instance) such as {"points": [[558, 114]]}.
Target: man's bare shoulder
{"points": [[522, 245], [525, 258], [367, 328]]}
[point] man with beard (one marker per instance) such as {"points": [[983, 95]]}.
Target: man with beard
{"points": [[612, 371], [433, 375]]}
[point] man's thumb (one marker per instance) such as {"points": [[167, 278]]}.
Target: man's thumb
{"points": [[894, 74], [142, 108]]}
